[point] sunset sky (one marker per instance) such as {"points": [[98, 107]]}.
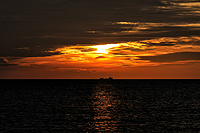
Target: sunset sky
{"points": [[87, 39]]}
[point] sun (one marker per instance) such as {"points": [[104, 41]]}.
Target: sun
{"points": [[104, 49]]}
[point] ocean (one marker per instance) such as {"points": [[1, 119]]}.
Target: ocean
{"points": [[100, 106]]}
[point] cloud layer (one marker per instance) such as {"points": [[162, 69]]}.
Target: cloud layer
{"points": [[87, 36]]}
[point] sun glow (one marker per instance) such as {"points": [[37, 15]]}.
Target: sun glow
{"points": [[104, 49], [131, 59], [126, 55]]}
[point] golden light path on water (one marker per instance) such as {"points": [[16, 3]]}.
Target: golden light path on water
{"points": [[105, 102]]}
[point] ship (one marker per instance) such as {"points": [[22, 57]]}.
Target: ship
{"points": [[110, 78]]}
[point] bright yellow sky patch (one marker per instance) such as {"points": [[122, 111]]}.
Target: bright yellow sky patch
{"points": [[104, 49]]}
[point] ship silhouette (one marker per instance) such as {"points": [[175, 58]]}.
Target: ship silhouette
{"points": [[110, 78]]}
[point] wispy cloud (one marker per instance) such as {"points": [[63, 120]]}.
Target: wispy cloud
{"points": [[146, 28], [4, 63], [172, 57], [28, 52], [181, 8]]}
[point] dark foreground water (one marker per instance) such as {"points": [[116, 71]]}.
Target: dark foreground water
{"points": [[100, 106]]}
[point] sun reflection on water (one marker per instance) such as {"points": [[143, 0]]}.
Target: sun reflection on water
{"points": [[104, 105]]}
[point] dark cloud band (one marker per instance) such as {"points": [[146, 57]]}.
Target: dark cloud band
{"points": [[172, 57]]}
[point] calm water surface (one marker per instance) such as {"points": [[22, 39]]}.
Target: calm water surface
{"points": [[100, 106]]}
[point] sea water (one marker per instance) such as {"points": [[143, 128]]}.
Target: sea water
{"points": [[100, 106]]}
